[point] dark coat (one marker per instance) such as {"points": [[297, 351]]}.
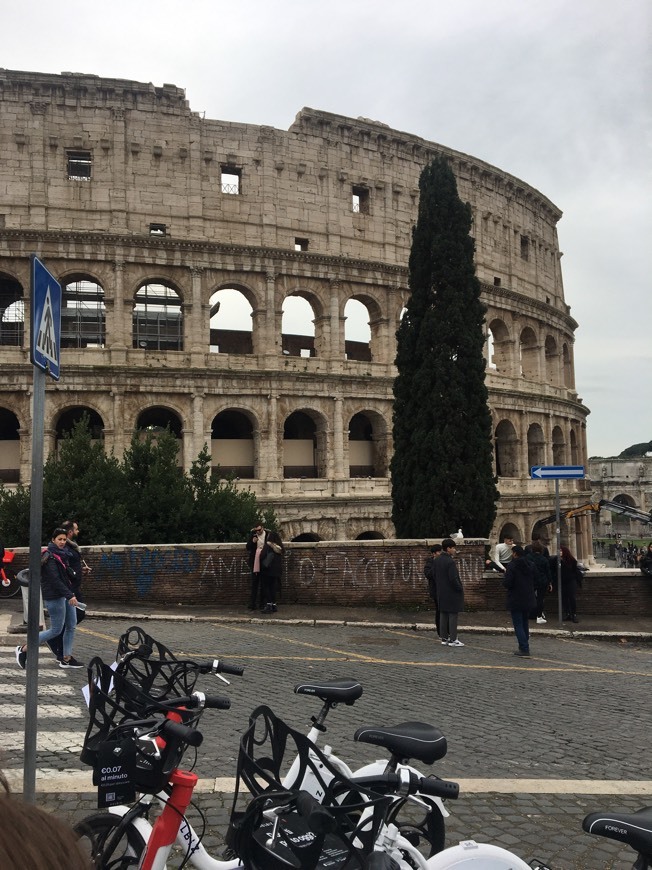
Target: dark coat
{"points": [[75, 564], [55, 575], [275, 569], [519, 583], [542, 572], [450, 592]]}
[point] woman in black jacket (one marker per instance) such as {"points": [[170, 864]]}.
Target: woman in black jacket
{"points": [[58, 598], [571, 578], [271, 568], [521, 598]]}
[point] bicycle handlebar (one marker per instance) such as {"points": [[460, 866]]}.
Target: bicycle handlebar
{"points": [[181, 732], [320, 820], [409, 783]]}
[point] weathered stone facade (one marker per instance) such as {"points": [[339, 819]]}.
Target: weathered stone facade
{"points": [[144, 211], [627, 480]]}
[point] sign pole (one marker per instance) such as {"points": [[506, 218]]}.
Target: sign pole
{"points": [[34, 588], [558, 515], [45, 350]]}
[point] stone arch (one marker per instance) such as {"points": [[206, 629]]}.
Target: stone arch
{"points": [[83, 317], [512, 530], [9, 447], [306, 537], [231, 308], [158, 316], [574, 448], [304, 444], [499, 347], [233, 443], [506, 446], [362, 346], [541, 531], [529, 354], [567, 366], [367, 432], [552, 360], [370, 536], [68, 417], [536, 445], [12, 311], [157, 418], [299, 336], [558, 446]]}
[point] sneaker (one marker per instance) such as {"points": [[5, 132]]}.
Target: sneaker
{"points": [[520, 652], [21, 657], [541, 620], [71, 663], [455, 643], [444, 641]]}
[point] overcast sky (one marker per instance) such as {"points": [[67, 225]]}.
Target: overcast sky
{"points": [[555, 92]]}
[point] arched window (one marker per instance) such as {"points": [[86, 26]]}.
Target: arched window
{"points": [[511, 530], [367, 445], [82, 313], [499, 345], [230, 322], [9, 447], [567, 367], [506, 450], [575, 454], [370, 536], [558, 447], [70, 417], [157, 318], [300, 446], [158, 419], [307, 537], [12, 312], [232, 445], [298, 327], [357, 332], [536, 446], [552, 360], [529, 353]]}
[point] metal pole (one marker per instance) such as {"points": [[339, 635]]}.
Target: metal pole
{"points": [[34, 588], [558, 514]]}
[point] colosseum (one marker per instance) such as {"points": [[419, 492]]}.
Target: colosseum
{"points": [[161, 225]]}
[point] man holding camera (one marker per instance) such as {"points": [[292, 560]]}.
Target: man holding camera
{"points": [[255, 543]]}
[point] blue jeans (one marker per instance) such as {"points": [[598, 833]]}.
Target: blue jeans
{"points": [[63, 618], [521, 628]]}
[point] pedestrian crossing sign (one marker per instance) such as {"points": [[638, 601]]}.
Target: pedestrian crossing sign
{"points": [[45, 320]]}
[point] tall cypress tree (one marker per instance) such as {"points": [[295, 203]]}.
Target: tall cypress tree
{"points": [[442, 477]]}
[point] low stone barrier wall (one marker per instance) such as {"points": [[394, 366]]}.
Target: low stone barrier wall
{"points": [[327, 572]]}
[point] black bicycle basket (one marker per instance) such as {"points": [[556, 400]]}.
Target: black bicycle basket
{"points": [[267, 750]]}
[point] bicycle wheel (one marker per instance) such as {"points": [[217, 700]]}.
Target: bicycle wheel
{"points": [[423, 826], [9, 586], [95, 835]]}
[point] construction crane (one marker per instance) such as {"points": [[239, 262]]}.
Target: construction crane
{"points": [[615, 507]]}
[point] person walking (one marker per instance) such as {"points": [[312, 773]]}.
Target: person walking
{"points": [[521, 598], [429, 571], [645, 560], [271, 569], [255, 543], [79, 568], [59, 599], [450, 593], [542, 577], [571, 578]]}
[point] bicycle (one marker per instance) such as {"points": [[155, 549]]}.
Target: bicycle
{"points": [[635, 829], [9, 584]]}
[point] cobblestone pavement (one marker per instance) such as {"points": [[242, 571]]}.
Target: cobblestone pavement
{"points": [[578, 710]]}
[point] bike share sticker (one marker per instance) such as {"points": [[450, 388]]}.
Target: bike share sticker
{"points": [[114, 774]]}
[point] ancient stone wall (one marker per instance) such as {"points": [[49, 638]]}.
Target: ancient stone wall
{"points": [[122, 190]]}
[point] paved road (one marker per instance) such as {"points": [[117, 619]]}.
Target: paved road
{"points": [[578, 710]]}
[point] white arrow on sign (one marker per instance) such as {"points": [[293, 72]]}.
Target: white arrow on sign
{"points": [[557, 471]]}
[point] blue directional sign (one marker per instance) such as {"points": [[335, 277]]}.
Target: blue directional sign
{"points": [[45, 345], [557, 472]]}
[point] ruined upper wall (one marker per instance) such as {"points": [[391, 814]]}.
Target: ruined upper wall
{"points": [[154, 161]]}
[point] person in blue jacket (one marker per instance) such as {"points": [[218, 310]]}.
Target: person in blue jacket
{"points": [[59, 599]]}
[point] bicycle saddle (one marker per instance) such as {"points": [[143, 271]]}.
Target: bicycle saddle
{"points": [[342, 691], [635, 829], [407, 740]]}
